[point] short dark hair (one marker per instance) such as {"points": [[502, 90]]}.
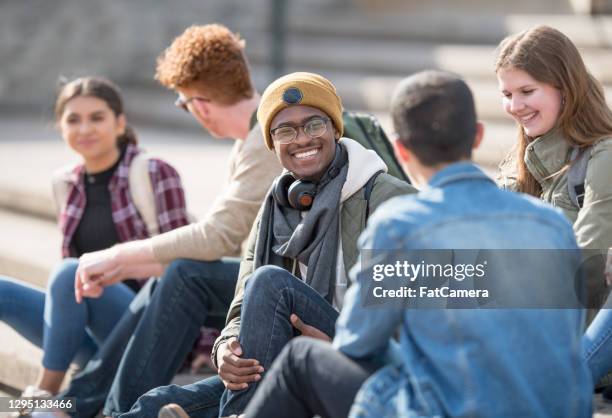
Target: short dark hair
{"points": [[434, 116]]}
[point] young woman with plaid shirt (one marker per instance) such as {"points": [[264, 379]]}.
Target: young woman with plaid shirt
{"points": [[98, 212]]}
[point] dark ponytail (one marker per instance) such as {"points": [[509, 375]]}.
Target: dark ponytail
{"points": [[128, 137], [100, 88]]}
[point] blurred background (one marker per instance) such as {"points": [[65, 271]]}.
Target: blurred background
{"points": [[363, 46]]}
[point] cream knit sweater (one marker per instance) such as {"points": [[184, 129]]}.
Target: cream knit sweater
{"points": [[227, 224]]}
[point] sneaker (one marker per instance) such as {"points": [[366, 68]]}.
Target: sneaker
{"points": [[32, 392], [35, 392], [172, 410]]}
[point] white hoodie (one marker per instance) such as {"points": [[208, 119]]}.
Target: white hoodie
{"points": [[362, 165]]}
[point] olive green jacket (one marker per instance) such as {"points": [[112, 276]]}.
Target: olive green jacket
{"points": [[352, 223], [547, 159]]}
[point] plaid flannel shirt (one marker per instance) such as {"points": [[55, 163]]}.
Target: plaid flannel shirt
{"points": [[169, 201]]}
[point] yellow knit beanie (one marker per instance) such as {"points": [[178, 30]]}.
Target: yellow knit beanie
{"points": [[300, 88]]}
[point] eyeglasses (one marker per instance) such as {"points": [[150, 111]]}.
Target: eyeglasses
{"points": [[314, 128], [182, 102]]}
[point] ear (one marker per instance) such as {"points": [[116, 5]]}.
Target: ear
{"points": [[121, 124], [480, 128], [201, 107], [336, 134], [402, 153]]}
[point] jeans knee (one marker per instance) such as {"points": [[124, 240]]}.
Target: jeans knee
{"points": [[10, 291], [264, 280], [178, 274], [61, 281], [8, 288]]}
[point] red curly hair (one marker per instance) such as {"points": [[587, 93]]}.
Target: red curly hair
{"points": [[210, 57]]}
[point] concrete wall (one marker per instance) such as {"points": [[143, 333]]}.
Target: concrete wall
{"points": [[41, 39], [473, 6]]}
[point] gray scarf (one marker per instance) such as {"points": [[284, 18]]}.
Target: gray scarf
{"points": [[312, 239]]}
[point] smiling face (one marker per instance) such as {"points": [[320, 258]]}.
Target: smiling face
{"points": [[90, 127], [536, 106], [307, 158]]}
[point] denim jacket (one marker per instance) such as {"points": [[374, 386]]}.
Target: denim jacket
{"points": [[467, 362]]}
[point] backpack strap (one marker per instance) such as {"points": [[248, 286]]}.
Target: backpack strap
{"points": [[142, 193], [140, 185], [366, 135], [367, 192], [577, 173], [384, 142], [61, 185]]}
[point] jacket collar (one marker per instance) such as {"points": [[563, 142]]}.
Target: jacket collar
{"points": [[547, 154], [362, 165], [121, 176], [455, 172]]}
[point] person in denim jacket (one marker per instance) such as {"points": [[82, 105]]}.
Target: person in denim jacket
{"points": [[449, 362]]}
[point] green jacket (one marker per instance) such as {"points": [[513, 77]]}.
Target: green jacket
{"points": [[352, 223], [546, 157]]}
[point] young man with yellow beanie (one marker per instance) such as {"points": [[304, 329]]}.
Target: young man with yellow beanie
{"points": [[293, 277]]}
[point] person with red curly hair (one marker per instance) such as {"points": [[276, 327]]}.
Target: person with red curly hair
{"points": [[208, 69]]}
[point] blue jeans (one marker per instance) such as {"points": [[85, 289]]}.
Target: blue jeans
{"points": [[152, 339], [597, 344], [67, 331], [309, 378], [271, 296], [199, 400]]}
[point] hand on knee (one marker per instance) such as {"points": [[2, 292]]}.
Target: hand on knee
{"points": [[236, 372]]}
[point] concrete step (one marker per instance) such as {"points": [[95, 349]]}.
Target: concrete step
{"points": [[29, 249], [373, 93], [20, 360], [138, 32], [402, 57], [20, 363], [445, 25], [468, 6]]}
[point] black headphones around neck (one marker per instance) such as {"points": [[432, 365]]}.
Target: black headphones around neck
{"points": [[292, 193]]}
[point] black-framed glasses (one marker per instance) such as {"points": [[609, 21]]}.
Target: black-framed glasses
{"points": [[314, 128], [182, 102]]}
